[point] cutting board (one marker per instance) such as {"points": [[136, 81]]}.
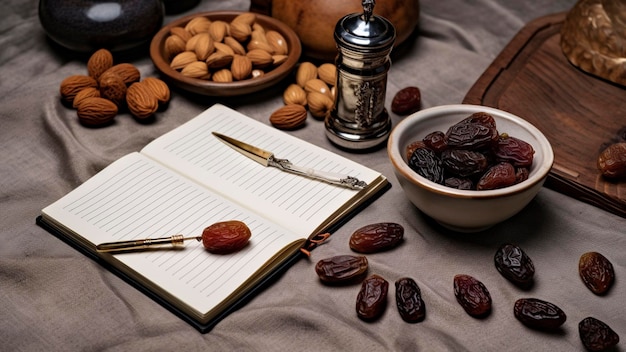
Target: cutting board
{"points": [[579, 113]]}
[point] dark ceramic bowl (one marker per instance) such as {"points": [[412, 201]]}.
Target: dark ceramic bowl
{"points": [[89, 25], [235, 88]]}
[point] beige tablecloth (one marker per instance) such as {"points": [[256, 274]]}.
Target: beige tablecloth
{"points": [[53, 298]]}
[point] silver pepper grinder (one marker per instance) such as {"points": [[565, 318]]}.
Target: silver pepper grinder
{"points": [[359, 119]]}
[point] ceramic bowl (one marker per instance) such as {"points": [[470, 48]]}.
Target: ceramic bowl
{"points": [[86, 26], [467, 210], [210, 88]]}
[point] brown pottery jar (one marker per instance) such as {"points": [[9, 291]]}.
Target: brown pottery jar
{"points": [[314, 20]]}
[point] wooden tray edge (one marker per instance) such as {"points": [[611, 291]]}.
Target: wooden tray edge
{"points": [[556, 181]]}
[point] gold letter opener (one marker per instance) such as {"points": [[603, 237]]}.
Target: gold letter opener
{"points": [[267, 158], [133, 245]]}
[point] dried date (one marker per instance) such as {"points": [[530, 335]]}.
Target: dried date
{"points": [[436, 141], [463, 163], [538, 314], [342, 269], [470, 149], [409, 301], [472, 295], [372, 298], [521, 174], [427, 164], [514, 150], [481, 118], [596, 335], [471, 134], [612, 161], [498, 176], [459, 183], [515, 265], [377, 237], [596, 271], [406, 101], [226, 236], [412, 147]]}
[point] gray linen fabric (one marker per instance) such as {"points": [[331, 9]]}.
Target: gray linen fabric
{"points": [[53, 298]]}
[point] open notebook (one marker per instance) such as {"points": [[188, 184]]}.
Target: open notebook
{"points": [[186, 180]]}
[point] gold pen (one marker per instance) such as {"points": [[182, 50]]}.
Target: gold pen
{"points": [[133, 245]]}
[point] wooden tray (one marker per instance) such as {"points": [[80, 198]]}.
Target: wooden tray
{"points": [[580, 114]]}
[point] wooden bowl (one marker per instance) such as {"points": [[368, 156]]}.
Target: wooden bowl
{"points": [[210, 88]]}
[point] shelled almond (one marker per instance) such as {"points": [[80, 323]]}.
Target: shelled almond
{"points": [[241, 46], [107, 88], [314, 88]]}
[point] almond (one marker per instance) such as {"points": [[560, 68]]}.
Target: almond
{"points": [[260, 58], [241, 67], [72, 85], [128, 72], [222, 76], [235, 45], [96, 111], [257, 73], [256, 27], [183, 59], [173, 46], [204, 46], [240, 31], [197, 25], [327, 72], [279, 59], [224, 48], [259, 36], [306, 71], [88, 92], [140, 100], [277, 42], [196, 69], [320, 105], [181, 32], [158, 88], [259, 44], [112, 87], [98, 62], [248, 18], [294, 94], [317, 85], [219, 59], [218, 30], [289, 117]]}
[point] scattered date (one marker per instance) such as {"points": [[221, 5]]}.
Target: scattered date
{"points": [[471, 153], [596, 271], [515, 265], [612, 161], [596, 335], [342, 269], [377, 237], [472, 295], [406, 101], [538, 314], [372, 298], [226, 237], [409, 300]]}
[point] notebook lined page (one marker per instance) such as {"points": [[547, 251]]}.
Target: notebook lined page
{"points": [[296, 202], [137, 198]]}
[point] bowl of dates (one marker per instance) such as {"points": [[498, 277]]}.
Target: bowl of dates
{"points": [[469, 167]]}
